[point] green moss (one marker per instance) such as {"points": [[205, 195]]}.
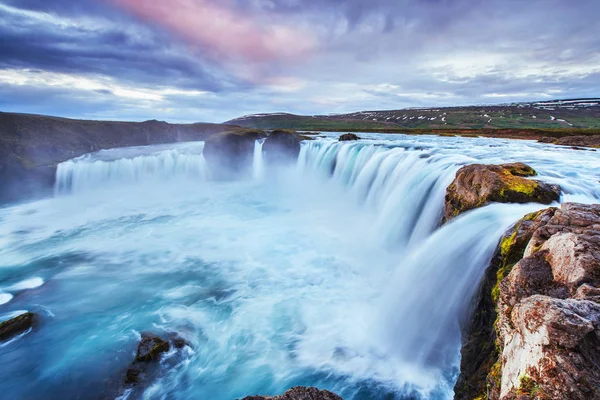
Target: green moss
{"points": [[529, 387]]}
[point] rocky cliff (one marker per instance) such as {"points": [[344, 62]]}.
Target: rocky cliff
{"points": [[32, 145], [534, 332]]}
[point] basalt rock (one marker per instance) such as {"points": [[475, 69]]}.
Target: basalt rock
{"points": [[545, 320], [300, 393], [477, 185], [16, 326], [229, 154], [348, 137], [282, 147]]}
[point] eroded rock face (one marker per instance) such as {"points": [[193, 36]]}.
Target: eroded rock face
{"points": [[229, 154], [477, 185], [16, 326], [348, 137], [300, 393], [548, 311], [282, 147]]}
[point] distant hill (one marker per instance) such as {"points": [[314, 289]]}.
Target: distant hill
{"points": [[555, 114]]}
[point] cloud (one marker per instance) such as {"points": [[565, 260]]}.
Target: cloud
{"points": [[192, 60], [224, 32]]}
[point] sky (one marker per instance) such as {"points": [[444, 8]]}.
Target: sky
{"points": [[214, 60]]}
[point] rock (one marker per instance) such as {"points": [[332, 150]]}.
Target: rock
{"points": [[282, 147], [546, 347], [547, 328], [16, 326], [151, 347], [348, 137], [478, 352], [300, 393], [150, 350], [477, 185], [229, 154]]}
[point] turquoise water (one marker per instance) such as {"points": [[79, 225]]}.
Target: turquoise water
{"points": [[329, 273]]}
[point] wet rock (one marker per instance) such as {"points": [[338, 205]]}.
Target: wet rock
{"points": [[478, 185], [347, 137], [151, 347], [229, 154], [16, 326], [282, 146], [300, 393], [479, 352], [547, 325], [150, 351]]}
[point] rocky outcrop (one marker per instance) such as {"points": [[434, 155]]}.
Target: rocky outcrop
{"points": [[477, 185], [300, 393], [282, 147], [16, 326], [229, 154], [348, 137], [574, 141], [31, 146], [540, 299]]}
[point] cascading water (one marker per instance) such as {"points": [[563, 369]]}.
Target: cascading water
{"points": [[336, 274], [258, 162], [130, 166]]}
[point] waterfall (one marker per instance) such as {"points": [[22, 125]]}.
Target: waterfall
{"points": [[405, 187], [335, 272], [129, 166], [258, 161]]}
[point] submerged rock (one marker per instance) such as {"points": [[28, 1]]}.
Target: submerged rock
{"points": [[282, 146], [229, 154], [545, 320], [149, 352], [348, 137], [477, 185], [300, 393], [151, 347], [16, 326]]}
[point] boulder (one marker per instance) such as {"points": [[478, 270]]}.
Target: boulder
{"points": [[478, 185], [16, 326], [300, 393], [282, 147], [348, 137], [229, 154]]}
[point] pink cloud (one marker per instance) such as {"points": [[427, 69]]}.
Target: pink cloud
{"points": [[223, 31]]}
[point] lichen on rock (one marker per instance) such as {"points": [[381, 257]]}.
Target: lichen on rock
{"points": [[547, 304], [478, 184]]}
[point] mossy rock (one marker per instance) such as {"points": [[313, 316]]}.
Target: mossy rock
{"points": [[151, 348], [478, 185]]}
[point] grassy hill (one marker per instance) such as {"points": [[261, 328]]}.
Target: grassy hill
{"points": [[558, 114]]}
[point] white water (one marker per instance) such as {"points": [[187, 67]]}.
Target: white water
{"points": [[333, 274], [258, 161]]}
